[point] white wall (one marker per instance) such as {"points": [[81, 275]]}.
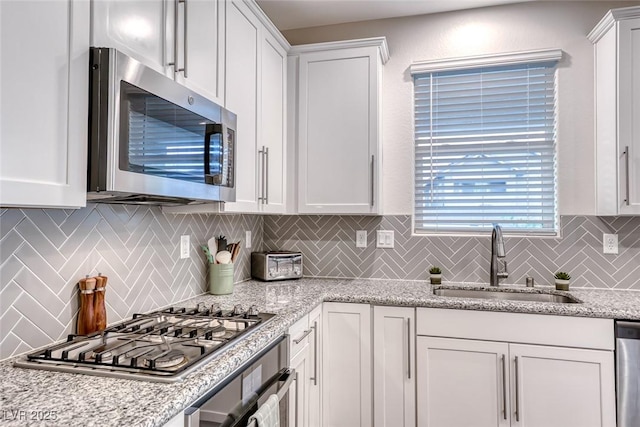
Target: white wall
{"points": [[525, 26]]}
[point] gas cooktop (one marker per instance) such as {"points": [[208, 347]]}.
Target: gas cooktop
{"points": [[161, 346]]}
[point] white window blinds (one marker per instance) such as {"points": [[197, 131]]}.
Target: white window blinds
{"points": [[485, 149]]}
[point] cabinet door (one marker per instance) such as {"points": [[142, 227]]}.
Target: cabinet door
{"points": [[201, 53], [315, 362], [44, 53], [394, 373], [272, 123], [562, 387], [629, 116], [142, 29], [346, 373], [462, 383], [338, 131], [241, 93], [299, 400]]}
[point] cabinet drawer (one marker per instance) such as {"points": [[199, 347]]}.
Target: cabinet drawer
{"points": [[579, 332], [299, 336]]}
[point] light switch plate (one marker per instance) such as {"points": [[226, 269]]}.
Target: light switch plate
{"points": [[185, 242], [247, 239], [384, 239], [361, 238], [610, 244]]}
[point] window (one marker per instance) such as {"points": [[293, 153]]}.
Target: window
{"points": [[485, 144]]}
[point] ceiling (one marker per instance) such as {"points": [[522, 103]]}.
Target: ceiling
{"points": [[293, 14]]}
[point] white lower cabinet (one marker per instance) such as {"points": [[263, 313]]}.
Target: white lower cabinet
{"points": [[299, 400], [394, 372], [304, 403], [315, 382], [462, 383], [470, 381], [562, 387], [346, 371]]}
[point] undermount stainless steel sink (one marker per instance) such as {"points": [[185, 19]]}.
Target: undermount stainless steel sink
{"points": [[503, 295]]}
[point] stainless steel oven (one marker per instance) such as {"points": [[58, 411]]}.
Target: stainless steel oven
{"points": [[232, 402], [152, 140]]}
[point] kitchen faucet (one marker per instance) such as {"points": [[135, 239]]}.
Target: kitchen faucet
{"points": [[497, 251]]}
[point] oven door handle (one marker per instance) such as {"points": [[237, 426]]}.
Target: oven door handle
{"points": [[240, 417]]}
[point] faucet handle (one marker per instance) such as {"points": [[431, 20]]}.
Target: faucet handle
{"points": [[504, 273]]}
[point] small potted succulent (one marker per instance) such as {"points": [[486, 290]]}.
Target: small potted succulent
{"points": [[435, 275], [562, 281]]}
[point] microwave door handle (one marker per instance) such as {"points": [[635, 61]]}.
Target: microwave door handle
{"points": [[209, 130]]}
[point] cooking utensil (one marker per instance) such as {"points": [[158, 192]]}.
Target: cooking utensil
{"points": [[222, 243], [223, 257], [235, 252], [207, 252], [213, 245]]}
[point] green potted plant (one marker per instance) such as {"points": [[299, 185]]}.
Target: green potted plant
{"points": [[435, 275], [562, 280]]}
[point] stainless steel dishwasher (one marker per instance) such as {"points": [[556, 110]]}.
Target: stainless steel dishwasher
{"points": [[628, 373]]}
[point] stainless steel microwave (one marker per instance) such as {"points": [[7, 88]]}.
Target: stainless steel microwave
{"points": [[152, 140]]}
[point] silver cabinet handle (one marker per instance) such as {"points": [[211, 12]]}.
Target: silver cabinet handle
{"points": [[517, 392], [260, 185], [184, 40], [175, 37], [315, 353], [304, 335], [176, 11], [504, 387], [373, 167], [266, 175], [626, 157], [263, 189], [297, 398], [409, 348]]}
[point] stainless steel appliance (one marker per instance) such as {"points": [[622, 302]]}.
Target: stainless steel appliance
{"points": [[152, 140], [231, 403], [276, 265], [161, 346], [628, 373]]}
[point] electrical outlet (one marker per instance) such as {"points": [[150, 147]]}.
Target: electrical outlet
{"points": [[361, 238], [185, 243], [247, 239], [384, 239], [610, 244]]}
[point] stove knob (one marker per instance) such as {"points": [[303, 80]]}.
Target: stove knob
{"points": [[253, 311], [237, 310]]}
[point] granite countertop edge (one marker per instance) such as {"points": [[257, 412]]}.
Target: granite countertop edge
{"points": [[110, 401]]}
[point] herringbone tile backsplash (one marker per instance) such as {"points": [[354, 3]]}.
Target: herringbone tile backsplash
{"points": [[328, 245], [43, 254]]}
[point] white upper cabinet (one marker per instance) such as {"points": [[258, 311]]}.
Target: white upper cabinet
{"points": [[200, 47], [617, 79], [338, 126], [43, 103], [256, 91], [141, 29], [183, 39]]}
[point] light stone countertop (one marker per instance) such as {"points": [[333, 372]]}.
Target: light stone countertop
{"points": [[84, 400]]}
